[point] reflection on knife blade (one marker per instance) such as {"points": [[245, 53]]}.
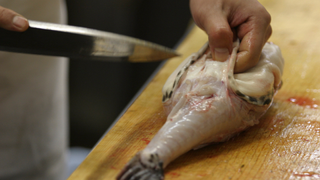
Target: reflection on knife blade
{"points": [[81, 43]]}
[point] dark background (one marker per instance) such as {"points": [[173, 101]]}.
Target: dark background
{"points": [[99, 91]]}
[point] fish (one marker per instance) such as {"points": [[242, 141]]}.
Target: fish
{"points": [[207, 103]]}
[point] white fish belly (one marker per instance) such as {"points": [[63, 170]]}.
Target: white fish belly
{"points": [[207, 103], [202, 110]]}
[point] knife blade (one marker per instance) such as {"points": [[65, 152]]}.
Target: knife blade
{"points": [[81, 43]]}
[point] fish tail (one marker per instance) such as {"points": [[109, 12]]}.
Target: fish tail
{"points": [[137, 169]]}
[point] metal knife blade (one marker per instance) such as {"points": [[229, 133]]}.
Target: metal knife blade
{"points": [[81, 43]]}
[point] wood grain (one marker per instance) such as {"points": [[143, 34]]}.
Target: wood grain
{"points": [[284, 145]]}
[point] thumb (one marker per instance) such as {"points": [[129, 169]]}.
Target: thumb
{"points": [[220, 37], [13, 21]]}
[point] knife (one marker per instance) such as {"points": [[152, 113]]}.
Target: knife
{"points": [[81, 43]]}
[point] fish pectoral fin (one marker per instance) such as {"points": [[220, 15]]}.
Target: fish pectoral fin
{"points": [[136, 169]]}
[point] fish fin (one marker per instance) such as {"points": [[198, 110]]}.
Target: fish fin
{"points": [[136, 169]]}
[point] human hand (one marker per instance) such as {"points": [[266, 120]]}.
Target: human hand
{"points": [[13, 21], [226, 20]]}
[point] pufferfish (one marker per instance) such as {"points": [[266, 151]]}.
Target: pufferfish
{"points": [[207, 103]]}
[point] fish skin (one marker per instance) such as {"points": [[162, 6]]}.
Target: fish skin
{"points": [[207, 103]]}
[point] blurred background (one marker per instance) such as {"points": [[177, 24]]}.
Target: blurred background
{"points": [[99, 91]]}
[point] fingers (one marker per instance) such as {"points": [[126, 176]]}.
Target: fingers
{"points": [[253, 34], [219, 19], [220, 38], [210, 16], [13, 21]]}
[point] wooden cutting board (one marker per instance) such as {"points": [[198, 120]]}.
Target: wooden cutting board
{"points": [[286, 143]]}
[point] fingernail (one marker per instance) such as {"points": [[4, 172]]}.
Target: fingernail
{"points": [[221, 54], [20, 22]]}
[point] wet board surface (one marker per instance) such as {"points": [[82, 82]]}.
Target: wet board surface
{"points": [[284, 145]]}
